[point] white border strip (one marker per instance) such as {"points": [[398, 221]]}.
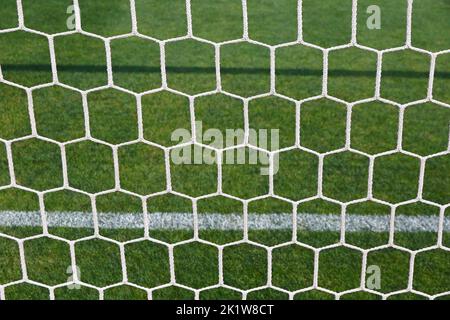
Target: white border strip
{"points": [[215, 221]]}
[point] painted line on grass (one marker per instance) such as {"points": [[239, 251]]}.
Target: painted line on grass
{"points": [[215, 221]]}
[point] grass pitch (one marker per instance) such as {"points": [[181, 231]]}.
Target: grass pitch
{"points": [[59, 116]]}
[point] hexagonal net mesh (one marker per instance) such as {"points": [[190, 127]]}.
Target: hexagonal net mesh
{"points": [[187, 213]]}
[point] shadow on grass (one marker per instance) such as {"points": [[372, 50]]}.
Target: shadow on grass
{"points": [[203, 70]]}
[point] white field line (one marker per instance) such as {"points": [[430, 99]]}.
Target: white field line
{"points": [[215, 221]]}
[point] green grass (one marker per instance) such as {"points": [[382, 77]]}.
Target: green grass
{"points": [[196, 265], [245, 70]]}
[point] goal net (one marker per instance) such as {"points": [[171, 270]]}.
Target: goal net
{"points": [[224, 149]]}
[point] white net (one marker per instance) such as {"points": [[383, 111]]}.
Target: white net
{"points": [[153, 222]]}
